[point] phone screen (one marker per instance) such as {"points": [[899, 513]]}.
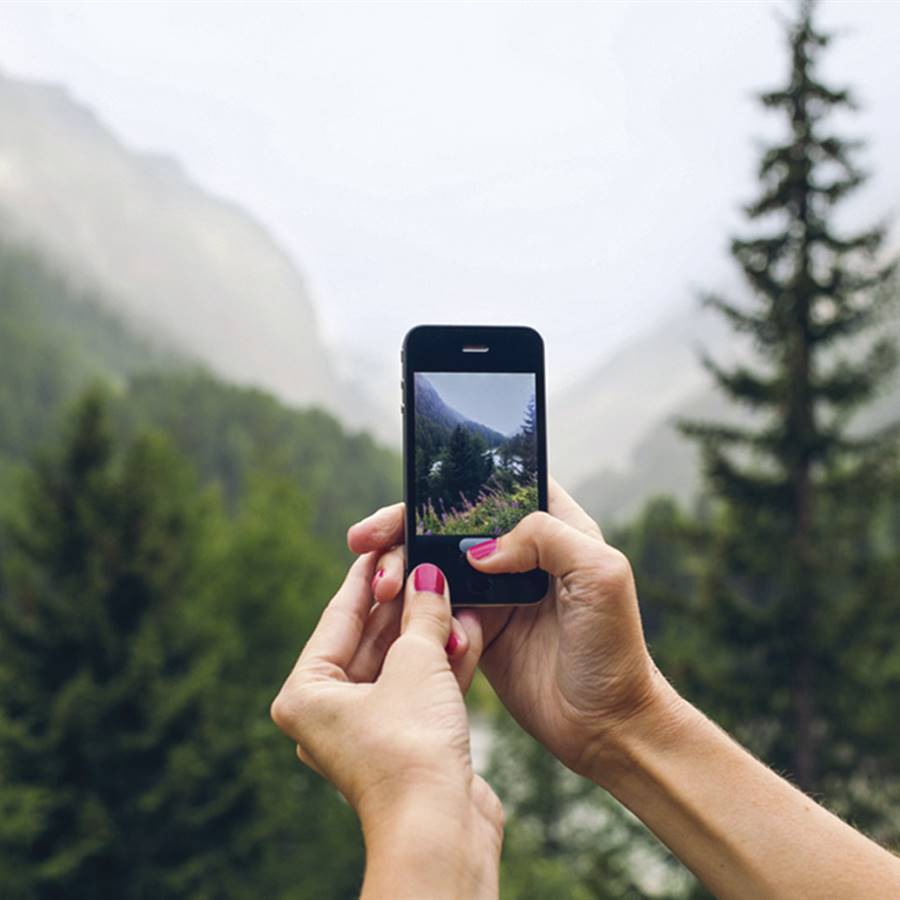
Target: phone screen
{"points": [[475, 456], [476, 452]]}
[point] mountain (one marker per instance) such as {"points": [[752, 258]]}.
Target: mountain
{"points": [[614, 437], [597, 423], [55, 341], [429, 405], [173, 261]]}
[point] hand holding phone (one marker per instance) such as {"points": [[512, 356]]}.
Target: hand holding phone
{"points": [[475, 452]]}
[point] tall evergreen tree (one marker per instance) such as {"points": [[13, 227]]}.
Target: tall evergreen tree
{"points": [[465, 467], [817, 293], [120, 774], [528, 434]]}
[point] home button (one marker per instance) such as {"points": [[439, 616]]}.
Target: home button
{"points": [[466, 543]]}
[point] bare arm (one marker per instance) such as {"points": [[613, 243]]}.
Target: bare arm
{"points": [[744, 831], [433, 846]]}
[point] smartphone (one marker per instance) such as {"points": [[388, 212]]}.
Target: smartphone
{"points": [[474, 450]]}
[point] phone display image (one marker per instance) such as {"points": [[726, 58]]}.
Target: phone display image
{"points": [[476, 446]]}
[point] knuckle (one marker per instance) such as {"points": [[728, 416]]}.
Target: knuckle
{"points": [[279, 711], [537, 521], [536, 527], [499, 813], [290, 708], [615, 569]]}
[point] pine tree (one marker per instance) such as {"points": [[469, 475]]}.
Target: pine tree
{"points": [[120, 773], [464, 468], [528, 442], [817, 293]]}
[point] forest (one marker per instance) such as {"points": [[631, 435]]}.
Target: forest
{"points": [[167, 542], [469, 478]]}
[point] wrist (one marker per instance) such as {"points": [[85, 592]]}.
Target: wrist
{"points": [[658, 722], [432, 842]]}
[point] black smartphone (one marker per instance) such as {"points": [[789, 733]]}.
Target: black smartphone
{"points": [[474, 450]]}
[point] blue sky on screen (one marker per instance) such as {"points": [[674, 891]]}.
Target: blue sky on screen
{"points": [[495, 399]]}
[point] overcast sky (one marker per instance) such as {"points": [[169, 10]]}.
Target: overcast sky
{"points": [[496, 399], [575, 167]]}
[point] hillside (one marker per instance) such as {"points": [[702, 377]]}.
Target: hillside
{"points": [[626, 412], [179, 265], [430, 406], [55, 340]]}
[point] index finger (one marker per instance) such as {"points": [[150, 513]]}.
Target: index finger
{"points": [[380, 531], [341, 625]]}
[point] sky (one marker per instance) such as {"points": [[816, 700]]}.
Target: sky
{"points": [[496, 399], [570, 166]]}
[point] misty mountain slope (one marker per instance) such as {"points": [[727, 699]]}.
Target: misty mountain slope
{"points": [[661, 461], [598, 423], [176, 262], [431, 406], [54, 341]]}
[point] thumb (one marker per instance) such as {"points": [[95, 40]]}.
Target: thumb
{"points": [[426, 605], [539, 541]]}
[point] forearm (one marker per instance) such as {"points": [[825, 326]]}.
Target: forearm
{"points": [[744, 831], [429, 850]]}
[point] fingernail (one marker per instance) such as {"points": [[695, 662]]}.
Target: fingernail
{"points": [[485, 548], [375, 580], [429, 577], [452, 644]]}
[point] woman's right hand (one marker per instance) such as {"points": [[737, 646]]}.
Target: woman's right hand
{"points": [[574, 670]]}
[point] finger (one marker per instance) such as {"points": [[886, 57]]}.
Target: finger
{"points": [[494, 620], [388, 579], [465, 662], [426, 605], [380, 531], [307, 760], [340, 628], [458, 643], [539, 541], [382, 629], [563, 506]]}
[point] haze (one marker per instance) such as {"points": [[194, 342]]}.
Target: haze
{"points": [[575, 167]]}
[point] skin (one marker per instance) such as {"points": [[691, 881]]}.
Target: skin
{"points": [[375, 705], [576, 674]]}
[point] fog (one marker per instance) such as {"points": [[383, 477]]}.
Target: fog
{"points": [[574, 167]]}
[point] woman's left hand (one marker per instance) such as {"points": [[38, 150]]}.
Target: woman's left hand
{"points": [[386, 723]]}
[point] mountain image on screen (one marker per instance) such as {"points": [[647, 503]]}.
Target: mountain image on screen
{"points": [[470, 477]]}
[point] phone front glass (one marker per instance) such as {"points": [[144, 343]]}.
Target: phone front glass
{"points": [[475, 450]]}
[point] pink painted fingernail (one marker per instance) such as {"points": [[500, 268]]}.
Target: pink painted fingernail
{"points": [[377, 578], [485, 548], [429, 577], [452, 644]]}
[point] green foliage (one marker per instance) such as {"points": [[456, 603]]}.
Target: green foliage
{"points": [[271, 578], [143, 638], [54, 340], [143, 760], [565, 837], [112, 748], [791, 618], [493, 512], [231, 432]]}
